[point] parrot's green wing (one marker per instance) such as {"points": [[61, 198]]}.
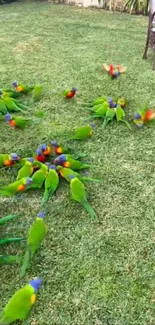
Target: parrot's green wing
{"points": [[37, 91], [3, 108], [109, 116], [18, 307], [77, 190], [82, 132], [25, 171], [120, 116], [38, 178], [51, 184], [21, 122]]}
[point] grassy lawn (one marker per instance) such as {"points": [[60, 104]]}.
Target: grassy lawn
{"points": [[95, 271]]}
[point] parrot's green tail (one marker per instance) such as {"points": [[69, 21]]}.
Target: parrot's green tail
{"points": [[5, 192], [89, 209], [7, 218], [9, 259], [88, 179], [26, 262], [105, 122], [10, 240], [46, 197]]}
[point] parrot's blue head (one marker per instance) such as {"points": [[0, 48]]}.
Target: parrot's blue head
{"points": [[74, 90], [15, 84], [71, 176], [30, 159], [59, 160], [39, 152], [8, 117], [41, 215], [52, 167], [137, 116], [92, 125], [28, 181], [43, 146], [54, 143], [35, 284], [14, 157]]}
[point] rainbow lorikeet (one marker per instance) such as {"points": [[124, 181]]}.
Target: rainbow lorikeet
{"points": [[51, 184], [69, 93], [58, 148], [144, 116], [7, 160], [78, 194], [26, 170], [12, 105], [35, 237], [39, 177], [83, 132], [113, 71], [17, 121], [46, 150], [20, 304], [21, 88], [67, 172], [69, 162], [16, 187]]}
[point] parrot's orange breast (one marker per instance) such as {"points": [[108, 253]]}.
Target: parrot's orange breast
{"points": [[33, 299], [19, 89], [21, 188], [7, 163], [12, 123]]}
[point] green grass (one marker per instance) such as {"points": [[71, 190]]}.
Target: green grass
{"points": [[95, 272]]}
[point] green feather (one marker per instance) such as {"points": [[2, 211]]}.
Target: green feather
{"points": [[8, 218]]}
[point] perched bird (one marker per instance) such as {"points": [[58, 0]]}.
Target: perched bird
{"points": [[46, 150], [26, 170], [20, 304], [70, 93], [17, 121], [67, 172], [78, 194], [21, 88], [113, 71], [39, 155], [144, 116], [39, 177], [16, 187], [83, 132], [58, 148], [8, 160], [35, 237], [51, 184], [69, 162]]}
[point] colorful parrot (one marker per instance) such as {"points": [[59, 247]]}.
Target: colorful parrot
{"points": [[51, 184], [70, 93], [8, 160], [35, 237], [9, 259], [69, 162], [113, 71], [20, 304], [16, 187], [39, 177], [66, 172], [78, 194], [83, 132], [39, 155], [26, 170], [17, 121], [21, 88], [144, 116], [58, 148], [46, 150]]}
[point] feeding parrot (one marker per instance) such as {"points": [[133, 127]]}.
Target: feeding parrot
{"points": [[83, 132], [35, 237], [51, 184], [20, 304], [69, 162], [16, 187], [58, 148], [46, 150], [39, 177], [78, 194], [7, 160], [39, 155], [70, 93], [66, 172], [26, 170], [144, 116], [9, 259], [113, 71], [21, 88], [17, 121]]}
